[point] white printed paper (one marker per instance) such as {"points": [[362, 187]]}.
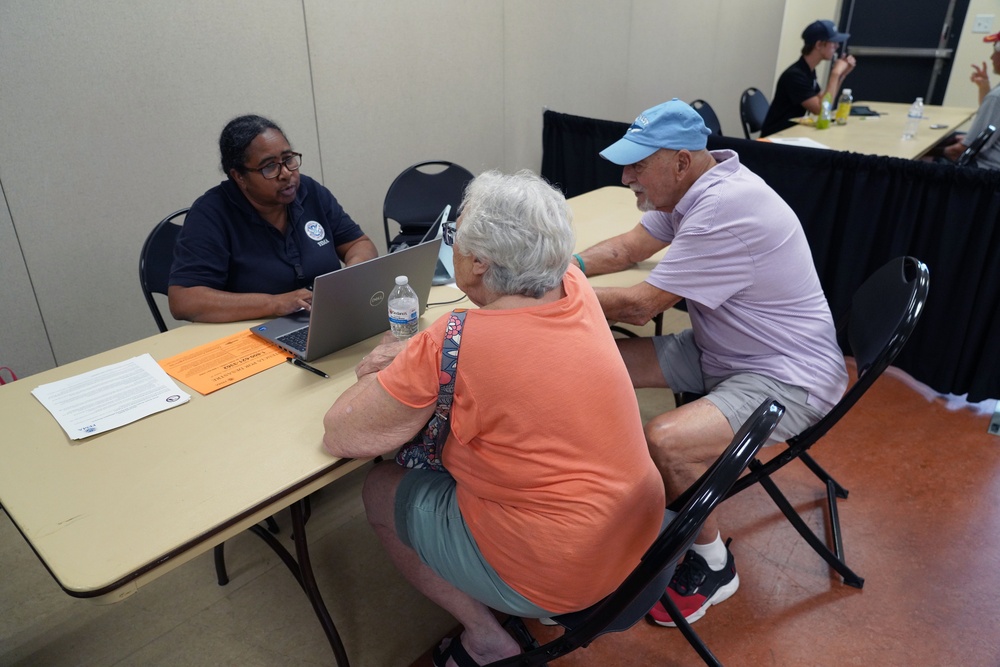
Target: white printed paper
{"points": [[797, 141], [109, 397]]}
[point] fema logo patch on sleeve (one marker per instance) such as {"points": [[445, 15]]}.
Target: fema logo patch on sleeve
{"points": [[315, 231]]}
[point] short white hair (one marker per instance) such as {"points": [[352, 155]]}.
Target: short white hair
{"points": [[521, 227]]}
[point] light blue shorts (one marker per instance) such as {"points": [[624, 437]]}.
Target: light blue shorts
{"points": [[428, 521], [736, 396]]}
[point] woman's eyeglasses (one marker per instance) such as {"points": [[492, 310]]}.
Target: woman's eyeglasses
{"points": [[272, 169], [448, 233]]}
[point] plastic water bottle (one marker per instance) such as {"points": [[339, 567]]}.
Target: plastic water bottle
{"points": [[913, 118], [404, 309], [844, 106]]}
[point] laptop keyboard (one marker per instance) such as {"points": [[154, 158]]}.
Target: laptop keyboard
{"points": [[295, 339]]}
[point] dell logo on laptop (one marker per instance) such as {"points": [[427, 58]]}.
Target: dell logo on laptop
{"points": [[377, 298]]}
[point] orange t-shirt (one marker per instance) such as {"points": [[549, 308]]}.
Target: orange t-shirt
{"points": [[547, 448]]}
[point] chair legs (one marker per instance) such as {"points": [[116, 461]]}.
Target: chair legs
{"points": [[531, 658], [522, 635], [696, 642], [824, 476], [685, 397], [219, 552], [834, 558], [220, 563]]}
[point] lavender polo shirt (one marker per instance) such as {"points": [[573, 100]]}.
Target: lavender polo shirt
{"points": [[739, 256]]}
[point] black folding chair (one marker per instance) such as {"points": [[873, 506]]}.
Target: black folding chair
{"points": [[707, 114], [969, 155], [883, 314], [884, 311], [155, 258], [643, 587], [417, 196], [753, 111]]}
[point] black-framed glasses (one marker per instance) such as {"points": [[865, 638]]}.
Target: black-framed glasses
{"points": [[448, 232], [272, 169]]}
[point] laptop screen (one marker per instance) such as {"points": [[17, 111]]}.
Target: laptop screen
{"points": [[435, 230]]}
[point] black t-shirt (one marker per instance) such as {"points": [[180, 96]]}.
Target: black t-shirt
{"points": [[225, 244], [795, 85]]}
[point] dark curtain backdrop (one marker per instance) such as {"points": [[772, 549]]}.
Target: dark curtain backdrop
{"points": [[570, 147], [858, 212]]}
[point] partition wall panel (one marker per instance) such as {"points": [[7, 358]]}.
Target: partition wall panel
{"points": [[562, 55], [112, 111], [400, 82]]}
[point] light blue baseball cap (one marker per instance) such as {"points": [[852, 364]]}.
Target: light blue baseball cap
{"points": [[674, 125]]}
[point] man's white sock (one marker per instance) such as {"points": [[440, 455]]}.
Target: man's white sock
{"points": [[714, 552]]}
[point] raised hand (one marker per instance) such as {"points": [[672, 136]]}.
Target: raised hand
{"points": [[980, 76]]}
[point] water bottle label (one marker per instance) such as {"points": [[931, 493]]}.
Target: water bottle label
{"points": [[403, 317]]}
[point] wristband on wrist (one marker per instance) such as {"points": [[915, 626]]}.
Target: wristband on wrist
{"points": [[580, 262]]}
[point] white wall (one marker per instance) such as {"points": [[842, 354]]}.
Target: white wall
{"points": [[797, 15], [971, 49], [960, 91], [398, 83], [112, 110]]}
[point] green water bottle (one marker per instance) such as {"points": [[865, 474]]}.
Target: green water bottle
{"points": [[823, 122]]}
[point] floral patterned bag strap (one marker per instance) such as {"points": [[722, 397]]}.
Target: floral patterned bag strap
{"points": [[425, 450]]}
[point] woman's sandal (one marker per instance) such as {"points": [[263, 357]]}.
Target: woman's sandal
{"points": [[456, 652]]}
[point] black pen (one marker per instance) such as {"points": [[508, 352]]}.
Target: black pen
{"points": [[301, 364]]}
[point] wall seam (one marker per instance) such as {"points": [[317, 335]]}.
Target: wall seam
{"points": [[312, 92], [27, 271]]}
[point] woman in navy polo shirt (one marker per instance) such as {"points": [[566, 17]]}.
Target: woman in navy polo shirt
{"points": [[251, 246]]}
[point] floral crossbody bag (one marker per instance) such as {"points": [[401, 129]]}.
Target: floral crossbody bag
{"points": [[426, 448]]}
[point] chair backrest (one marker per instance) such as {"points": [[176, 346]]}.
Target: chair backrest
{"points": [[155, 258], [644, 586], [977, 144], [884, 312], [416, 197], [707, 114], [753, 111]]}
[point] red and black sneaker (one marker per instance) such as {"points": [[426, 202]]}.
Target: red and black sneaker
{"points": [[695, 587]]}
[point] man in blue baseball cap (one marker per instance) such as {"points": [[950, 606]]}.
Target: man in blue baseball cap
{"points": [[797, 90], [760, 323]]}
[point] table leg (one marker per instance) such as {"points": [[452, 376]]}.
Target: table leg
{"points": [[301, 569], [308, 581]]}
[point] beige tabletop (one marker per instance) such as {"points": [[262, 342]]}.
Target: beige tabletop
{"points": [[111, 512], [883, 135], [601, 214]]}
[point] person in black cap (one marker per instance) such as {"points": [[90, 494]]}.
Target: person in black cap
{"points": [[988, 114], [798, 91]]}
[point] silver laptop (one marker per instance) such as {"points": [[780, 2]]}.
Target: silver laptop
{"points": [[444, 271], [349, 305]]}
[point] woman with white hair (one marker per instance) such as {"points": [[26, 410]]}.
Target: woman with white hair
{"points": [[549, 497]]}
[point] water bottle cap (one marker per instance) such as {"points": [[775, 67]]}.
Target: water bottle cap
{"points": [[401, 280], [847, 91]]}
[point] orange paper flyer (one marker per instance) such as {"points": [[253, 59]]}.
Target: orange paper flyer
{"points": [[223, 362]]}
